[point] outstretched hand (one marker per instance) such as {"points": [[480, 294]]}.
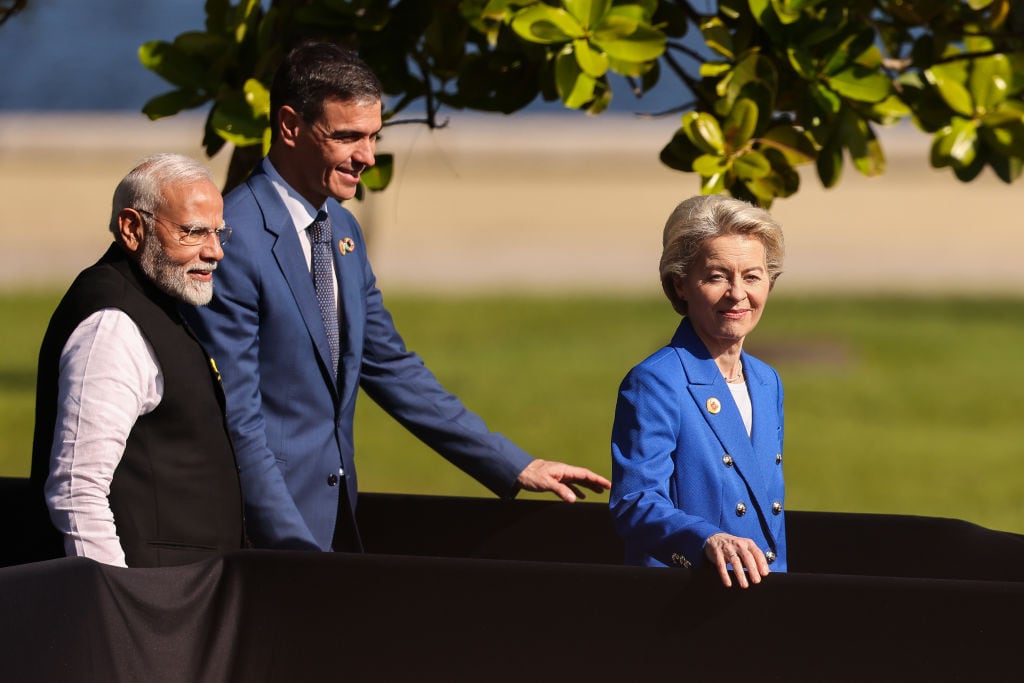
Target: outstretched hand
{"points": [[561, 479]]}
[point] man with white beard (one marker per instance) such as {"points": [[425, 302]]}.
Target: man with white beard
{"points": [[131, 451]]}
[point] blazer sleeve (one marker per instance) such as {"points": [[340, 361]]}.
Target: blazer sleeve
{"points": [[649, 417], [230, 329], [399, 381]]}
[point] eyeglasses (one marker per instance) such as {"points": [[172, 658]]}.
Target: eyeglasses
{"points": [[194, 235]]}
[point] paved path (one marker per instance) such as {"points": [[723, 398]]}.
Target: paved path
{"points": [[534, 204]]}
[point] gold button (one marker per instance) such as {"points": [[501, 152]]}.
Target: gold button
{"points": [[727, 460], [778, 458], [741, 509], [770, 556], [776, 508]]}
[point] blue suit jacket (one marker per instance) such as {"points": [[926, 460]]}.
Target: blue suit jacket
{"points": [[290, 422], [683, 467]]}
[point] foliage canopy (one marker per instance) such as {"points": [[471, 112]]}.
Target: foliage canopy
{"points": [[763, 85]]}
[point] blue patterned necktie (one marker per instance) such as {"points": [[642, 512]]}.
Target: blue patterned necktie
{"points": [[323, 283]]}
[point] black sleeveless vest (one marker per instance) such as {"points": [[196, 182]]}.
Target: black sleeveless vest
{"points": [[175, 494]]}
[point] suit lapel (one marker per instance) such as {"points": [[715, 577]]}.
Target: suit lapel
{"points": [[714, 400], [764, 430], [288, 254], [348, 266]]}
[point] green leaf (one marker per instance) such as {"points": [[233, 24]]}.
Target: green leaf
{"points": [[783, 181], [233, 120], [216, 11], [378, 176], [751, 165], [633, 69], [771, 186], [713, 184], [1010, 111], [714, 69], [826, 99], [741, 123], [891, 109], [793, 145], [246, 14], [703, 130], [990, 81], [851, 51], [1006, 140], [593, 62], [951, 86], [173, 65], [602, 98], [717, 36], [751, 69], [587, 12], [785, 12], [968, 173], [766, 18], [871, 162], [257, 97], [955, 145], [203, 45], [574, 87], [635, 13], [544, 24], [710, 164], [641, 45], [679, 153], [268, 135], [856, 135], [802, 62], [860, 83], [1008, 169], [830, 165], [171, 103]]}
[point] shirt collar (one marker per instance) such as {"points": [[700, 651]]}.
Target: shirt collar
{"points": [[301, 211]]}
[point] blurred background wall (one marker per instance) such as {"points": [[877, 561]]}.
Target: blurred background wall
{"points": [[533, 202]]}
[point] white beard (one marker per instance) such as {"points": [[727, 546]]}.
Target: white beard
{"points": [[172, 278]]}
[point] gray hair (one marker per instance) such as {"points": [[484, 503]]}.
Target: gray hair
{"points": [[144, 185], [705, 217]]}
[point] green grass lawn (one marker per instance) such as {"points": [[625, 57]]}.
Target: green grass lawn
{"points": [[893, 405]]}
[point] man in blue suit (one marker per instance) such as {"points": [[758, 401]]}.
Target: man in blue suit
{"points": [[297, 325]]}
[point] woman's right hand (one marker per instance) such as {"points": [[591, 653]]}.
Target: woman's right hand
{"points": [[748, 562]]}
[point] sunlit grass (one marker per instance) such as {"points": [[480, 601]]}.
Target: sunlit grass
{"points": [[892, 405]]}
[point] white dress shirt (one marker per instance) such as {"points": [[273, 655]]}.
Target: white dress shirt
{"points": [[742, 398], [109, 376], [302, 214]]}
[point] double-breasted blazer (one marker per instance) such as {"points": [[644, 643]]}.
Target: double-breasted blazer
{"points": [[683, 466], [290, 421]]}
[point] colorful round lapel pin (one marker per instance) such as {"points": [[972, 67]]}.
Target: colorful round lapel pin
{"points": [[714, 405], [346, 245]]}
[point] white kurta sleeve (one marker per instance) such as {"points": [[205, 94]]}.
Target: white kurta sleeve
{"points": [[108, 377]]}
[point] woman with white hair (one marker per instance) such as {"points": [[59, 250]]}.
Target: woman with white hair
{"points": [[697, 439]]}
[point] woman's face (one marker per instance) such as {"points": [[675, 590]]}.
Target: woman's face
{"points": [[726, 290]]}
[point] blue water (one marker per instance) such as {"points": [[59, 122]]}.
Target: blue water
{"points": [[82, 54]]}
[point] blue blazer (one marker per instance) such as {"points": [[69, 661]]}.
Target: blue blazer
{"points": [[290, 422], [683, 467]]}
